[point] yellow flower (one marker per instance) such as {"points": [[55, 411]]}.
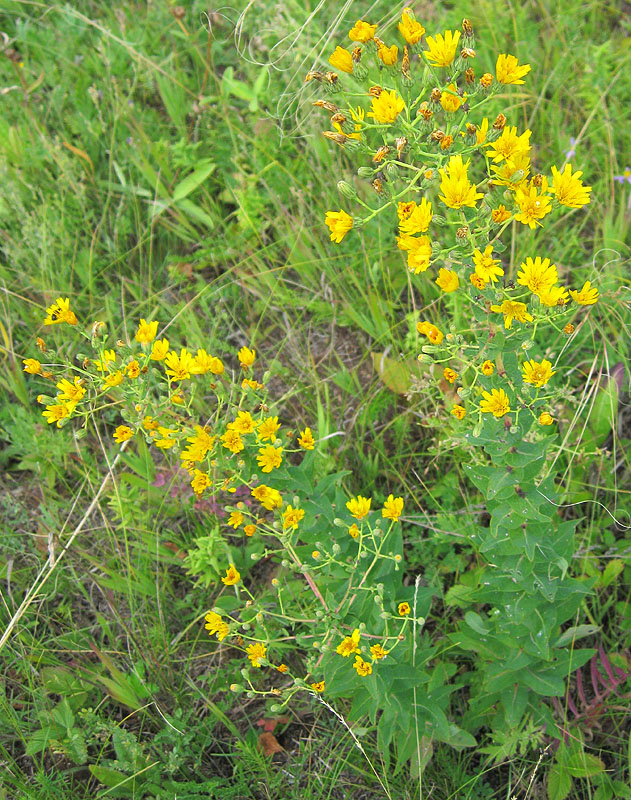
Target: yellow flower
{"points": [[349, 645], [235, 519], [434, 335], [201, 481], [458, 412], [256, 653], [318, 686], [587, 296], [269, 498], [450, 375], [146, 332], [456, 189], [447, 280], [362, 31], [532, 206], [403, 609], [404, 209], [538, 275], [269, 458], [215, 625], [246, 357], [392, 508], [545, 418], [340, 223], [500, 214], [160, 349], [267, 429], [232, 576], [58, 412], [200, 444], [411, 30], [341, 60], [70, 391], [243, 423], [486, 267], [488, 368], [442, 48], [353, 531], [513, 172], [386, 108], [419, 250], [364, 668], [553, 296], [418, 218], [123, 433], [512, 309], [359, 506], [164, 438], [203, 363], [568, 188], [282, 668], [232, 441], [59, 312], [248, 383], [291, 517], [388, 55], [477, 281], [450, 100], [482, 131], [149, 423], [508, 70], [496, 402], [179, 368], [377, 652], [114, 379], [510, 145], [249, 530], [32, 366], [306, 440], [537, 373]]}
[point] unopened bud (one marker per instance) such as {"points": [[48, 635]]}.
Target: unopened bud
{"points": [[365, 172], [346, 189]]}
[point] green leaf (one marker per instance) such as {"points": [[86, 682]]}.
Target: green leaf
{"points": [[193, 181], [574, 633], [583, 765], [106, 776], [559, 783], [397, 375], [610, 573]]}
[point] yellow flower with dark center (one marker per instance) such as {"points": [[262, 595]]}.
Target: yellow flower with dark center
{"points": [[70, 391], [434, 334], [178, 367], [392, 508], [232, 576], [411, 30], [246, 357], [545, 418], [450, 100], [404, 209], [306, 440], [201, 481], [509, 71], [500, 214], [342, 60], [32, 366], [256, 653], [377, 652], [147, 331], [59, 312], [447, 280], [232, 441], [339, 223], [123, 433], [477, 281], [243, 423], [292, 517], [404, 609], [353, 531], [553, 296], [458, 412], [419, 250], [114, 379], [418, 220], [362, 31], [388, 55], [318, 686], [159, 349], [386, 108], [442, 48], [364, 668], [513, 309], [450, 375], [495, 402], [538, 274], [487, 267], [269, 458], [587, 296], [267, 429], [487, 368], [349, 645], [268, 497], [510, 145], [538, 374], [568, 188], [359, 506], [532, 206], [235, 519]]}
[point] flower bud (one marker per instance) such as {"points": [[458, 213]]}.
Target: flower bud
{"points": [[339, 523], [463, 392], [364, 172], [346, 189], [424, 358], [275, 708], [439, 220], [244, 673]]}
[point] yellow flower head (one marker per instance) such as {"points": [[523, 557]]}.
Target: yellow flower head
{"points": [[146, 332], [70, 391], [339, 223], [32, 366], [513, 309], [318, 686], [235, 519], [411, 30], [538, 374], [510, 145], [267, 429], [243, 423], [349, 645], [341, 60], [450, 100], [434, 335], [232, 576], [159, 349], [249, 530], [123, 433], [442, 48], [364, 668], [447, 280], [362, 31], [419, 250], [587, 296], [386, 108], [487, 267], [477, 281], [114, 379], [215, 625], [545, 418], [457, 190], [388, 55], [256, 653], [199, 445], [500, 214], [58, 413], [459, 412], [59, 312], [179, 367], [568, 187], [488, 368], [291, 517], [269, 458], [482, 131], [201, 481], [268, 497], [538, 275], [553, 296], [508, 70], [359, 506], [306, 440], [353, 531], [232, 441], [532, 206], [404, 609], [377, 652], [203, 363], [246, 357], [418, 218], [495, 402], [450, 375], [392, 508]]}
